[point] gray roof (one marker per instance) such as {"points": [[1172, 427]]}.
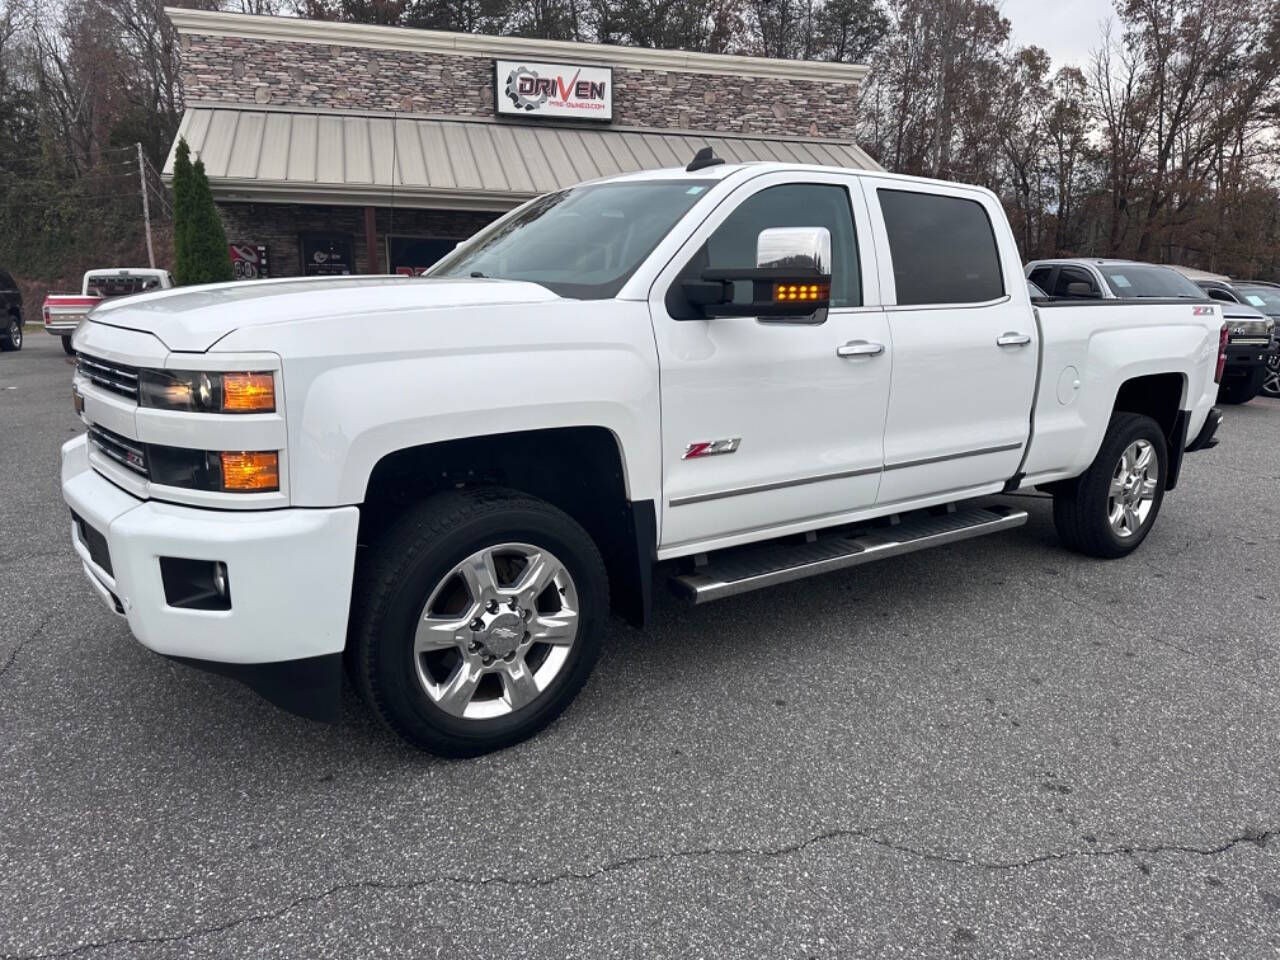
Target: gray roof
{"points": [[308, 156]]}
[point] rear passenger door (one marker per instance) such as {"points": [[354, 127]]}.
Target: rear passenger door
{"points": [[965, 344]]}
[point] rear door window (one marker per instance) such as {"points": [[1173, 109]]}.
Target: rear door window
{"points": [[943, 248]]}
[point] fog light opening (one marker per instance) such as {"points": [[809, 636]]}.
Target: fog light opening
{"points": [[195, 584]]}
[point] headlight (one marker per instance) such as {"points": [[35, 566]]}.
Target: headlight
{"points": [[241, 471], [204, 392]]}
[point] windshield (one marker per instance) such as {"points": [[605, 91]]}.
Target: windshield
{"points": [[1266, 299], [1133, 281], [582, 243]]}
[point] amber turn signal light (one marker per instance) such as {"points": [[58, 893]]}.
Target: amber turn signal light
{"points": [[787, 292], [250, 471], [248, 392]]}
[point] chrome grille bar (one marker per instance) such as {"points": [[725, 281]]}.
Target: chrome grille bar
{"points": [[116, 377], [128, 453]]}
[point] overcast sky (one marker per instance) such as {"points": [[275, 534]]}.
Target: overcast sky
{"points": [[1068, 29]]}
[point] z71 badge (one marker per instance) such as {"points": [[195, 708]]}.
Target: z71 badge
{"points": [[711, 448]]}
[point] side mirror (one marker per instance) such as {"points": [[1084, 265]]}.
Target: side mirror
{"points": [[791, 278], [1085, 291]]}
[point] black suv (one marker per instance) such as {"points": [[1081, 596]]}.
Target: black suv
{"points": [[10, 314]]}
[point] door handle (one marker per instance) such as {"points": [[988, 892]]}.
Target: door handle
{"points": [[1013, 339], [860, 348]]}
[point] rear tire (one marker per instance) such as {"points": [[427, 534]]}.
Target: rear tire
{"points": [[1244, 388], [67, 348], [476, 620], [11, 335], [1112, 506]]}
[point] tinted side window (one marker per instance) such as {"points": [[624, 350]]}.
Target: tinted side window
{"points": [[943, 248], [733, 245], [1070, 275], [1040, 277]]}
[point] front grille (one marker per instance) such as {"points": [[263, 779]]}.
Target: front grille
{"points": [[95, 542], [128, 453], [116, 377]]}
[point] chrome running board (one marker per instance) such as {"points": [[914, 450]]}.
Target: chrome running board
{"points": [[741, 569]]}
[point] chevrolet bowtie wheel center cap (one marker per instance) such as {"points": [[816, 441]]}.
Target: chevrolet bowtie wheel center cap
{"points": [[503, 635]]}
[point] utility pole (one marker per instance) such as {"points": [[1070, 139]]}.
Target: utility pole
{"points": [[146, 205]]}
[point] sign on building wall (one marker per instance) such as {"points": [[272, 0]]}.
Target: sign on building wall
{"points": [[249, 261], [326, 254], [527, 89]]}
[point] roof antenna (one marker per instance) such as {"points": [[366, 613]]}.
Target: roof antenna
{"points": [[705, 157]]}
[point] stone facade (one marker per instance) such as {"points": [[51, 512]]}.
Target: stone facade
{"points": [[249, 72], [278, 225]]}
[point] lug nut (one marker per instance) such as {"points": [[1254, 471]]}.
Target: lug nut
{"points": [[510, 656], [477, 625], [492, 606]]}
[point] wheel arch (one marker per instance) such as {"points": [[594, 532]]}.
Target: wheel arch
{"points": [[1162, 397], [580, 470]]}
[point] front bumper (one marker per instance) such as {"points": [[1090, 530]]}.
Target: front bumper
{"points": [[1242, 357], [290, 571]]}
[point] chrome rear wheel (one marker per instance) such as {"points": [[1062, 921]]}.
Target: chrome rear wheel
{"points": [[1133, 488]]}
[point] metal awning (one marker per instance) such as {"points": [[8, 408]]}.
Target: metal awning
{"points": [[293, 156]]}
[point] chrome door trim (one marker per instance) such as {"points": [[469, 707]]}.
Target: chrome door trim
{"points": [[902, 465], [764, 487]]}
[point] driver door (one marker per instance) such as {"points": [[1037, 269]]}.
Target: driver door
{"points": [[771, 425]]}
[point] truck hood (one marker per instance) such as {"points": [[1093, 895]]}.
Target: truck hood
{"points": [[193, 319]]}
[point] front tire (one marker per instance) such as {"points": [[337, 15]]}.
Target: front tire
{"points": [[477, 619], [1243, 388], [67, 348], [1111, 507], [1271, 382], [11, 336]]}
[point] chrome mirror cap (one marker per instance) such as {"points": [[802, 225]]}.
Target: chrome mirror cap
{"points": [[803, 247]]}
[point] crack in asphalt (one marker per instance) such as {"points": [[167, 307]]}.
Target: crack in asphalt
{"points": [[1258, 838], [13, 654]]}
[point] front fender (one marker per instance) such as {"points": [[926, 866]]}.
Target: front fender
{"points": [[553, 365]]}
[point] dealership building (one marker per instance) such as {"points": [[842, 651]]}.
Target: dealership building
{"points": [[347, 148]]}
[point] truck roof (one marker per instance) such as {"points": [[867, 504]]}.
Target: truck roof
{"points": [[723, 171]]}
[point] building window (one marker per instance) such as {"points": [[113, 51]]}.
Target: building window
{"points": [[326, 254], [412, 255]]}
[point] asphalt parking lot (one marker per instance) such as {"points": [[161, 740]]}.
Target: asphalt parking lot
{"points": [[997, 749]]}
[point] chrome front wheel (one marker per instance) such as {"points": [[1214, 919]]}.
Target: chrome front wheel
{"points": [[1133, 488], [477, 616], [496, 631]]}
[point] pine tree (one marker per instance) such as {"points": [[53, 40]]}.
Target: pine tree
{"points": [[183, 184], [200, 242]]}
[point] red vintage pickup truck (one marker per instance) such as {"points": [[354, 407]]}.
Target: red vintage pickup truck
{"points": [[64, 311]]}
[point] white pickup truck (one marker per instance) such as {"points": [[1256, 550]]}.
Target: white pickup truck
{"points": [[63, 311], [727, 375]]}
